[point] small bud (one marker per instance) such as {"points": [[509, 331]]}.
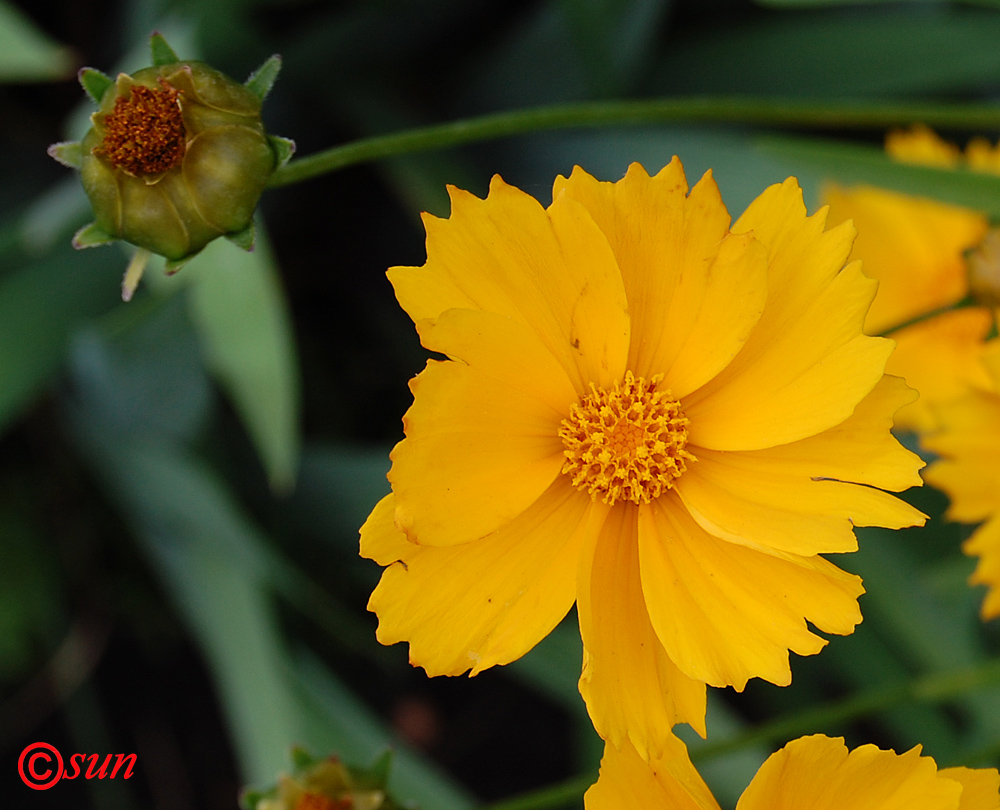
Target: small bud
{"points": [[984, 270], [324, 784], [176, 156]]}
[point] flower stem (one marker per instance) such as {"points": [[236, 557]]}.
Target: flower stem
{"points": [[560, 794], [968, 301], [699, 109]]}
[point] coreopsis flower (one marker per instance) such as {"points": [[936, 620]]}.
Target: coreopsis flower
{"points": [[968, 470], [176, 156], [918, 250], [646, 411], [810, 773]]}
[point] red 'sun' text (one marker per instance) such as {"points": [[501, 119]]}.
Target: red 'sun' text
{"points": [[41, 766]]}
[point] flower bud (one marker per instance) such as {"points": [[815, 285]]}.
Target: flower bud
{"points": [[324, 784], [176, 156]]}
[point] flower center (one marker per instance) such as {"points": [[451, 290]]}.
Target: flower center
{"points": [[144, 134], [626, 443], [315, 801]]}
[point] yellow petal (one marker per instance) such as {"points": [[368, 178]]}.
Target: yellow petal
{"points": [[942, 359], [755, 501], [482, 437], [695, 291], [726, 613], [980, 787], [806, 365], [985, 544], [551, 270], [818, 773], [860, 449], [483, 603], [922, 146], [669, 781], [632, 689], [912, 246], [806, 497], [969, 446]]}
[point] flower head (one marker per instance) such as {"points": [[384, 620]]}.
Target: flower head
{"points": [[918, 251], [810, 773], [176, 156], [647, 411]]}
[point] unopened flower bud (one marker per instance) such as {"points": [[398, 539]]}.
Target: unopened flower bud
{"points": [[176, 156]]}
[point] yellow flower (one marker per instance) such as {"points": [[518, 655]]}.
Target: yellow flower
{"points": [[810, 773], [968, 444], [646, 411], [914, 248]]}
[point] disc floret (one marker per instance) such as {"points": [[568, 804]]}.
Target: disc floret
{"points": [[626, 443]]}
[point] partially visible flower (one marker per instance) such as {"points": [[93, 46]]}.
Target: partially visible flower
{"points": [[176, 157], [916, 249], [968, 471], [647, 411], [810, 773]]}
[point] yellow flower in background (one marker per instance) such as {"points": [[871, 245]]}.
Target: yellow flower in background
{"points": [[810, 773], [968, 471], [646, 411], [915, 248]]}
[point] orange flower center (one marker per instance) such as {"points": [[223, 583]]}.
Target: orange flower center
{"points": [[626, 443], [144, 134], [315, 801]]}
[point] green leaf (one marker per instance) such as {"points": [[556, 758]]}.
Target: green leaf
{"points": [[827, 52], [26, 54], [95, 83], [68, 153], [854, 163], [263, 78], [160, 51], [239, 310], [40, 305]]}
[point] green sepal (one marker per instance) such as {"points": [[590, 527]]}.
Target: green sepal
{"points": [[173, 265], [92, 236], [249, 798], [161, 52], [302, 760], [94, 83], [244, 239], [283, 148], [380, 769], [262, 79], [68, 153]]}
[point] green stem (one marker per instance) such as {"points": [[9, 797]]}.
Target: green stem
{"points": [[968, 301], [561, 794], [709, 109], [937, 688]]}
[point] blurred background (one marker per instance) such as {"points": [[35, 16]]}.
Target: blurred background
{"points": [[182, 478]]}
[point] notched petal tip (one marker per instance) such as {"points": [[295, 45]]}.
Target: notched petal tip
{"points": [[160, 51], [94, 82], [262, 79], [68, 153]]}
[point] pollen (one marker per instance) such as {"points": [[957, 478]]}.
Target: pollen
{"points": [[316, 801], [144, 133], [626, 443]]}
